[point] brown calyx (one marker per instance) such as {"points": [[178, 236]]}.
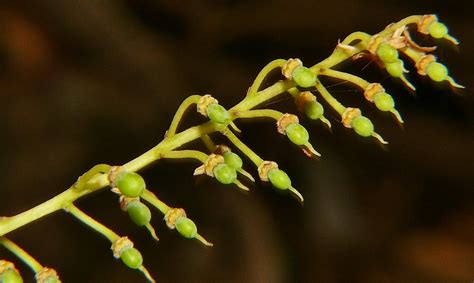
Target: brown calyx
{"points": [[204, 102], [425, 22], [5, 265], [221, 149], [290, 66], [125, 201], [208, 166], [264, 168], [46, 274], [422, 64], [349, 115], [303, 98], [284, 121], [119, 245], [172, 215], [371, 90]]}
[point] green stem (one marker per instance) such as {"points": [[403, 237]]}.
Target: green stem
{"points": [[278, 63], [206, 139], [21, 254], [178, 116], [175, 140], [151, 198], [260, 113], [243, 147], [336, 105], [178, 154], [360, 82], [92, 223]]}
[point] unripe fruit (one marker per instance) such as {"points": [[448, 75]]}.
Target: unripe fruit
{"points": [[304, 77], [314, 110], [139, 212], [387, 53], [186, 227], [131, 257], [224, 173], [438, 30], [217, 113], [395, 69], [297, 134], [10, 276], [362, 126], [384, 101], [279, 179], [130, 184], [437, 71], [233, 160]]}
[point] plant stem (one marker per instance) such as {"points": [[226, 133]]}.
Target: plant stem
{"points": [[21, 254]]}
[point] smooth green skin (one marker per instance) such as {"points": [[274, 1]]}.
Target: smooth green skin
{"points": [[297, 134], [314, 110], [186, 227], [225, 174], [218, 114], [139, 213], [51, 280], [362, 126], [387, 53], [233, 160], [304, 77], [279, 179], [395, 69], [10, 276], [384, 101], [130, 184], [438, 30], [131, 257], [437, 71]]}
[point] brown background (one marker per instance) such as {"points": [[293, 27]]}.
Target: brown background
{"points": [[86, 82]]}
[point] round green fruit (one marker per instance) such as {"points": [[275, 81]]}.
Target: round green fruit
{"points": [[279, 179], [131, 257], [438, 30], [437, 71], [224, 173], [297, 134], [217, 113], [362, 126], [387, 53], [233, 160], [384, 101], [130, 184], [304, 77], [186, 227], [10, 276], [314, 110], [139, 212]]}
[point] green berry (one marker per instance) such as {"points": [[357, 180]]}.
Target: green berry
{"points": [[314, 110], [139, 212], [437, 71], [362, 126], [51, 279], [384, 101], [279, 179], [438, 30], [186, 227], [130, 184], [10, 276], [395, 69], [304, 77], [217, 113], [233, 160], [131, 257], [387, 53], [297, 134], [224, 173]]}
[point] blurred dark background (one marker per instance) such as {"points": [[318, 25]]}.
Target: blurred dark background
{"points": [[87, 82]]}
